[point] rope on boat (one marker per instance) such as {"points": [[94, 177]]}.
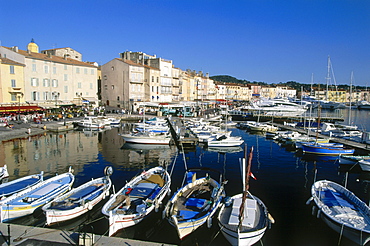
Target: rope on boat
{"points": [[340, 234], [173, 163], [216, 235]]}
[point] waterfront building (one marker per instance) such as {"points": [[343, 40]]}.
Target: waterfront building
{"points": [[11, 81], [51, 80]]}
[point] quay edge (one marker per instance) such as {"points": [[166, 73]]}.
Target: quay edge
{"points": [[26, 235]]}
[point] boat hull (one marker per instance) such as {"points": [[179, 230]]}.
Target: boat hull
{"points": [[57, 214], [246, 237], [342, 210], [139, 198], [323, 150], [27, 201]]}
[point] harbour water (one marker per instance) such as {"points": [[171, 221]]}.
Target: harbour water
{"points": [[283, 183]]}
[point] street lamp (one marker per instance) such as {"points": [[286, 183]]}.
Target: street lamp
{"points": [[20, 95]]}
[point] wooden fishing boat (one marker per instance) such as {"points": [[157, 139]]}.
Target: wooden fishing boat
{"points": [[27, 201], [342, 210], [244, 218], [17, 185], [78, 201], [196, 202], [137, 199], [326, 150]]}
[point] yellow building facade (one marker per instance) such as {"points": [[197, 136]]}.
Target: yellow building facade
{"points": [[11, 81]]}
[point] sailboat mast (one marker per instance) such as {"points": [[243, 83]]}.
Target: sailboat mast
{"points": [[327, 80], [245, 174], [350, 101]]}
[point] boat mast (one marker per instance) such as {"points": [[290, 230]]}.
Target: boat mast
{"points": [[350, 100], [245, 175], [327, 80]]}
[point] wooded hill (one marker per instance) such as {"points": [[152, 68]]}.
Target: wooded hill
{"points": [[292, 84]]}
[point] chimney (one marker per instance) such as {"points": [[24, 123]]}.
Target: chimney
{"points": [[15, 48]]}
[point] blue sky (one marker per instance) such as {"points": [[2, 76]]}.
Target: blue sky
{"points": [[258, 40]]}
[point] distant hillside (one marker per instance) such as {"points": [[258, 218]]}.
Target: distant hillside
{"points": [[292, 84]]}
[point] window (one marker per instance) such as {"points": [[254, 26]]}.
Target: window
{"points": [[91, 86], [65, 77], [34, 81], [65, 67], [46, 83], [11, 69], [152, 78], [77, 70], [45, 95], [54, 70], [112, 87], [92, 71], [85, 70], [106, 87], [13, 97], [79, 85], [46, 69], [13, 83], [65, 89], [118, 98], [35, 96], [54, 83], [33, 67]]}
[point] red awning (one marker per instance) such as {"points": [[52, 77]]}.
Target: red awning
{"points": [[19, 109]]}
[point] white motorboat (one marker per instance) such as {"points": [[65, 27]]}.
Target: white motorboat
{"points": [[342, 210], [91, 122], [27, 201], [78, 201], [276, 107], [224, 141], [137, 199], [147, 138]]}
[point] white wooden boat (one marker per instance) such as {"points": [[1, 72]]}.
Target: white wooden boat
{"points": [[78, 201], [4, 172], [17, 185], [342, 210], [91, 122], [244, 219], [137, 199], [195, 203], [27, 201], [146, 138]]}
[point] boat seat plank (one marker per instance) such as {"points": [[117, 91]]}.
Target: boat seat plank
{"points": [[250, 208], [143, 190], [44, 190], [84, 192]]}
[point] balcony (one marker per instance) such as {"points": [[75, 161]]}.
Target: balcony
{"points": [[14, 89]]}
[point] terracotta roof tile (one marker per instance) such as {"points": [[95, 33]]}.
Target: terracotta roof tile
{"points": [[10, 62], [58, 59]]}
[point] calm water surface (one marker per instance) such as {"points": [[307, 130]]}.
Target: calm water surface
{"points": [[284, 179]]}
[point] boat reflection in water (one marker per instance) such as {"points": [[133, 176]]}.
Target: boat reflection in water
{"points": [[135, 146], [321, 158]]}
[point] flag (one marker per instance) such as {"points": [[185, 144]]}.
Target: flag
{"points": [[251, 174]]}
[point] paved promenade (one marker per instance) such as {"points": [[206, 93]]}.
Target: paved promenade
{"points": [[29, 236]]}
